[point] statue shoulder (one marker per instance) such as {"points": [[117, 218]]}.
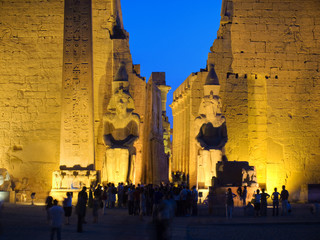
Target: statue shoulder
{"points": [[201, 118], [223, 119], [135, 117]]}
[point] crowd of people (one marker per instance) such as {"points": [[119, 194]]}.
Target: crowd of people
{"points": [[144, 200], [161, 202]]}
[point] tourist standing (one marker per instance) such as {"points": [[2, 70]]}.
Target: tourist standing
{"points": [[81, 207], [143, 203], [56, 216], [284, 200], [49, 204], [275, 202], [136, 200], [113, 195], [257, 203], [120, 195], [105, 199], [230, 204], [239, 192], [33, 196], [130, 200], [164, 218], [157, 198], [264, 205], [244, 196], [67, 207], [211, 200], [183, 201], [109, 191], [194, 201]]}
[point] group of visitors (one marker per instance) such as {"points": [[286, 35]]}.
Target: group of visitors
{"points": [[144, 200], [260, 201], [161, 202]]}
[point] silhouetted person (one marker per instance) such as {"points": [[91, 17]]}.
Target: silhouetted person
{"points": [[33, 196], [244, 196], [239, 192], [275, 202], [194, 201], [49, 204], [164, 217], [257, 203], [284, 200], [264, 205], [230, 204], [81, 207], [56, 215]]}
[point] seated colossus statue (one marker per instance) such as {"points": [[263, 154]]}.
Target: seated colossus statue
{"points": [[211, 135], [120, 131]]}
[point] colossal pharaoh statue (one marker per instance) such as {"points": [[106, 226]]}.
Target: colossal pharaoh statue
{"points": [[121, 129], [211, 131]]}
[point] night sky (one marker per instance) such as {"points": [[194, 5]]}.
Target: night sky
{"points": [[172, 36]]}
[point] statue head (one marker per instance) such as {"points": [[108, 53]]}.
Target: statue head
{"points": [[121, 103], [210, 105]]}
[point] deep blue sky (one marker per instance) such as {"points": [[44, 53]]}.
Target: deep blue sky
{"points": [[172, 36]]}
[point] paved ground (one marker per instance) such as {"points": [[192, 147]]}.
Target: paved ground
{"points": [[23, 222]]}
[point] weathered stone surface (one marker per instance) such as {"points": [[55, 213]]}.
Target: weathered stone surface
{"points": [[266, 56], [31, 50], [76, 139]]}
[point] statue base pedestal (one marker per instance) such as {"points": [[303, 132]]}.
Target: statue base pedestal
{"points": [[207, 161], [64, 181], [70, 180], [116, 166]]}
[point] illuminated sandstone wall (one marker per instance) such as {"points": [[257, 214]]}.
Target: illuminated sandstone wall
{"points": [[31, 36], [115, 51], [31, 57], [266, 56]]}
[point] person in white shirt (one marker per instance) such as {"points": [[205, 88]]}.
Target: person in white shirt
{"points": [[56, 216]]}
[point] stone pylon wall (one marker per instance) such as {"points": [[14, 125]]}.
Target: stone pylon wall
{"points": [[30, 81], [266, 56], [31, 57], [31, 50]]}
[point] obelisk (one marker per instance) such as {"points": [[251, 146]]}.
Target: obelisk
{"points": [[77, 168], [77, 131]]}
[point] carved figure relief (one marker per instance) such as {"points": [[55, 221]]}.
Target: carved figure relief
{"points": [[5, 180], [249, 177], [293, 35], [73, 179]]}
